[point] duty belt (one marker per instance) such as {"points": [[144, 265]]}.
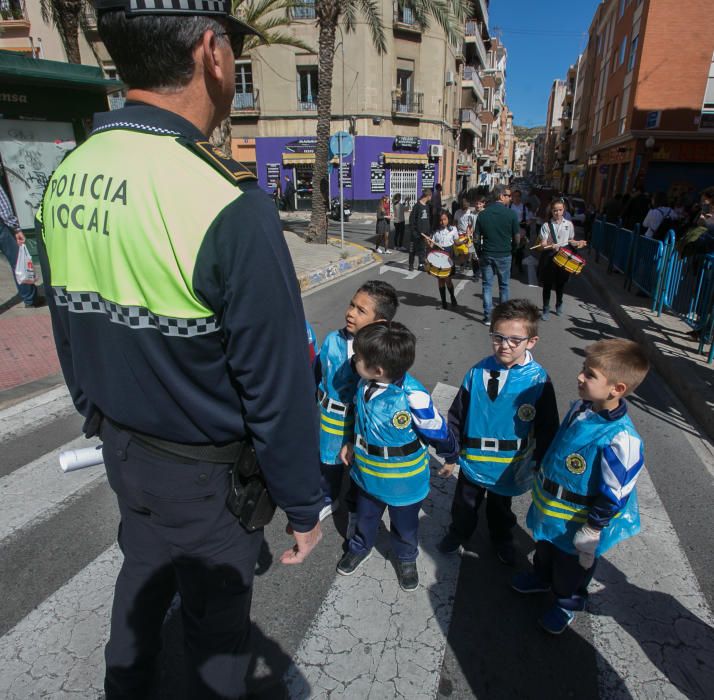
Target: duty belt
{"points": [[333, 406], [387, 452], [555, 489], [494, 444], [215, 454]]}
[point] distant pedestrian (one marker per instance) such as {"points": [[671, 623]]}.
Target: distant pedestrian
{"points": [[660, 214], [11, 238], [383, 223], [613, 209], [524, 218], [419, 223], [435, 211], [497, 230], [635, 210], [398, 211], [289, 195], [278, 195]]}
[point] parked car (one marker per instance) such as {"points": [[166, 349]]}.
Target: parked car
{"points": [[576, 207]]}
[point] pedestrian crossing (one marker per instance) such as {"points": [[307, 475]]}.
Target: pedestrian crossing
{"points": [[649, 620]]}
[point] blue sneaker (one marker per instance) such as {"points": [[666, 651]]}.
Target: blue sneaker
{"points": [[545, 314], [559, 310], [556, 620], [528, 582]]}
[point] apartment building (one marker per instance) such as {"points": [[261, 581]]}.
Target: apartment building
{"points": [[645, 116], [552, 165]]}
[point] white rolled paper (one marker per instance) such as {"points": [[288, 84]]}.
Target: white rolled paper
{"points": [[71, 460]]}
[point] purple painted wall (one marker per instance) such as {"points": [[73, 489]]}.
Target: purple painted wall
{"points": [[368, 149]]}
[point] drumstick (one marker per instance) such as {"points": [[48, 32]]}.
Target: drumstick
{"points": [[433, 243]]}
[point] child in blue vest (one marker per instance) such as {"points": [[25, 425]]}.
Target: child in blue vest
{"points": [[395, 417], [504, 418], [337, 382], [584, 498]]}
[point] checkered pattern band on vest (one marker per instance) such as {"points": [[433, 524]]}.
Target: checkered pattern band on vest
{"points": [[189, 6], [135, 317]]}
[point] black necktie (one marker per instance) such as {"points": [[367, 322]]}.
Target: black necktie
{"points": [[371, 389], [492, 386]]}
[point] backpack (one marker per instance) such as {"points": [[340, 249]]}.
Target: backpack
{"points": [[668, 222]]}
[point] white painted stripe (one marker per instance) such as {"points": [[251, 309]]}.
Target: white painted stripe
{"points": [[57, 650], [26, 416], [459, 287], [36, 491], [370, 638], [651, 622]]}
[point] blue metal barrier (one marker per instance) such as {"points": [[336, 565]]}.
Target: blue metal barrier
{"points": [[597, 238], [647, 269], [622, 250]]}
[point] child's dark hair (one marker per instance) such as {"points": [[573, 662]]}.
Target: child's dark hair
{"points": [[384, 296], [390, 345], [619, 360], [517, 310]]}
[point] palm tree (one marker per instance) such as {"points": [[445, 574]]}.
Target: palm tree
{"points": [[65, 15], [449, 15]]}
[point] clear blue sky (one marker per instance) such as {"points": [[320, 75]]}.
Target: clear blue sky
{"points": [[542, 38]]}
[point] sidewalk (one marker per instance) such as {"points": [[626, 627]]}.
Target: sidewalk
{"points": [[670, 350], [28, 361]]}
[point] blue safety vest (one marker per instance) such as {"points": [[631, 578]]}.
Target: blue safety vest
{"points": [[498, 463], [386, 421], [573, 462], [337, 389]]}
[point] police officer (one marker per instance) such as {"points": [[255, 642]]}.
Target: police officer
{"points": [[181, 335]]}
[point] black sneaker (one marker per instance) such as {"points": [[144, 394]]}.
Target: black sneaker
{"points": [[407, 575], [506, 553], [351, 561], [450, 544]]}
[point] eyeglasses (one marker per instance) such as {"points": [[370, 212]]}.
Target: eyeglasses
{"points": [[236, 42], [513, 341]]}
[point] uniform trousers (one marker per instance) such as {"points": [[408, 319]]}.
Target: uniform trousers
{"points": [[404, 526], [331, 476], [568, 580], [464, 511], [177, 535]]}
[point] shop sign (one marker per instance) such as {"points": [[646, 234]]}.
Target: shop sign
{"points": [[377, 177], [464, 170], [304, 145], [272, 174], [652, 121], [13, 97], [428, 175], [407, 143], [346, 175]]}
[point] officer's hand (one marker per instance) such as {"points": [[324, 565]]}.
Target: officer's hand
{"points": [[305, 542], [447, 470], [347, 454]]}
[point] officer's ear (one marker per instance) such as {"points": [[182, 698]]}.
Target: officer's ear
{"points": [[214, 53]]}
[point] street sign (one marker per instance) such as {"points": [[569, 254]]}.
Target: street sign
{"points": [[341, 144]]}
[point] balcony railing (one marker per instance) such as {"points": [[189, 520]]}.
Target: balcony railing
{"points": [[14, 13], [407, 103], [404, 17], [307, 106], [470, 121], [473, 34], [246, 102], [89, 15], [116, 101], [303, 9], [472, 79]]}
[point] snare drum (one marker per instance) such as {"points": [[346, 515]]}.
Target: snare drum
{"points": [[461, 247], [569, 261], [438, 264]]}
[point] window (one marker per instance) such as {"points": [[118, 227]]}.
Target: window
{"points": [[307, 87], [303, 9], [623, 51], [706, 120], [244, 98], [623, 4], [633, 53], [608, 112], [615, 105], [621, 127]]}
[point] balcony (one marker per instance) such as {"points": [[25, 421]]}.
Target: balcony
{"points": [[303, 9], [482, 10], [404, 19], [116, 101], [246, 104], [13, 15], [89, 17], [495, 73], [471, 122], [472, 79], [407, 104], [308, 105], [473, 34]]}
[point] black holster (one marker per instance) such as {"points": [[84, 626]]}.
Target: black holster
{"points": [[248, 498]]}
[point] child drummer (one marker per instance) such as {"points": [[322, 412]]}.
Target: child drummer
{"points": [[555, 234], [442, 241]]}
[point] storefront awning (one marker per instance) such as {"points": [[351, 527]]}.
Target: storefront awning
{"points": [[406, 159], [302, 159]]}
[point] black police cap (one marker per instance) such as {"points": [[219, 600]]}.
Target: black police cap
{"points": [[212, 8]]}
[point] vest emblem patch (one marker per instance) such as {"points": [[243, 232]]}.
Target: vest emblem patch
{"points": [[526, 412], [401, 420], [575, 463]]}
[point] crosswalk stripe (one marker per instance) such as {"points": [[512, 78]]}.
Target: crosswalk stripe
{"points": [[22, 418], [371, 639], [57, 650], [37, 490]]}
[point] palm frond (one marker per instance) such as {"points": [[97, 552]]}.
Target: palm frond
{"points": [[276, 38], [370, 10]]}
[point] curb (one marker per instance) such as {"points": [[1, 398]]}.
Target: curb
{"points": [[689, 392], [21, 392], [314, 278]]}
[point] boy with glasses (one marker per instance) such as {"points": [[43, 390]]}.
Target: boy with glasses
{"points": [[504, 418]]}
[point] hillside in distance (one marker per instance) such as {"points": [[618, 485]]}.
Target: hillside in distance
{"points": [[527, 133]]}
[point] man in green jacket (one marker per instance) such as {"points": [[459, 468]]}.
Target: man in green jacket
{"points": [[497, 230]]}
